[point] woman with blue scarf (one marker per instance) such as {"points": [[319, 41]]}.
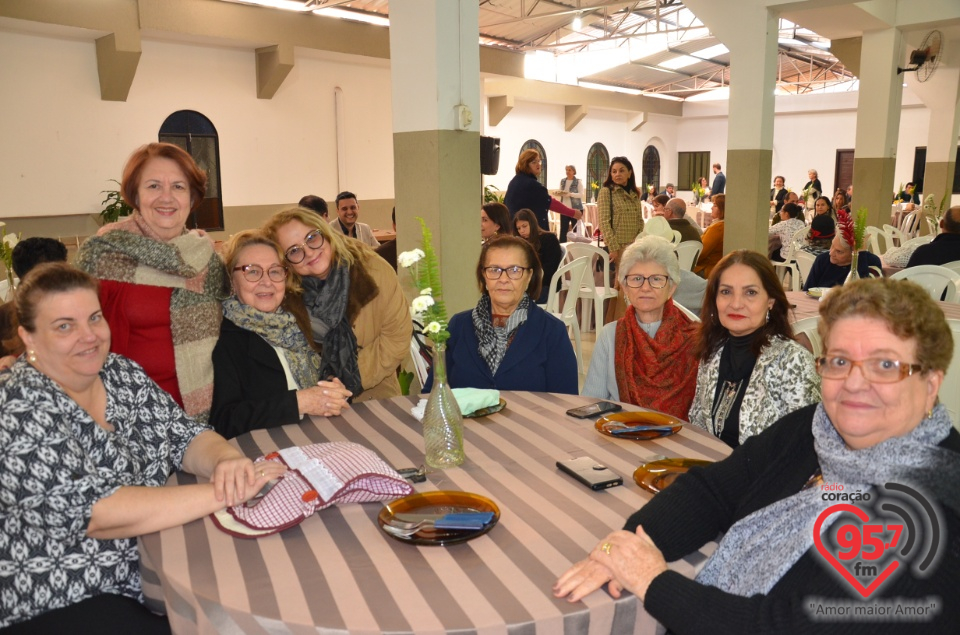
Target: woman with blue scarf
{"points": [[266, 362], [878, 430]]}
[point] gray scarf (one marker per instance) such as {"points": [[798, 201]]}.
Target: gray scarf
{"points": [[494, 340], [761, 547], [279, 329], [326, 301]]}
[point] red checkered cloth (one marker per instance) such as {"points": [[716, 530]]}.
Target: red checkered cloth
{"points": [[318, 476]]}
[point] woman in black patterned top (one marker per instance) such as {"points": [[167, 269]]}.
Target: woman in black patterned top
{"points": [[90, 440]]}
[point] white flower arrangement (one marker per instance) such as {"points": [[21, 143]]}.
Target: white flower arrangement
{"points": [[428, 306], [7, 243]]}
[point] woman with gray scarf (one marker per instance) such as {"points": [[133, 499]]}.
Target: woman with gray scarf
{"points": [[878, 433], [266, 364], [358, 314]]}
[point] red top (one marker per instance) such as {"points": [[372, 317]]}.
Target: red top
{"points": [[139, 319]]}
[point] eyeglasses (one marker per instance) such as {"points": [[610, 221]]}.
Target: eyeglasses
{"points": [[514, 273], [296, 254], [657, 281], [253, 273], [880, 371]]}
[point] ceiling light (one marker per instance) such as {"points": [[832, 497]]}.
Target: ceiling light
{"points": [[356, 16], [680, 61], [711, 52], [577, 23]]}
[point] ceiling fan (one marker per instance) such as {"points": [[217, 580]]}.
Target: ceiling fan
{"points": [[925, 59]]}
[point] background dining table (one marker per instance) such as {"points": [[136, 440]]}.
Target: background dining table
{"points": [[337, 572]]}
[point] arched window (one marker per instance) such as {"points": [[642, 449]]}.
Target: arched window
{"points": [[533, 144], [598, 164], [195, 133], [651, 169]]}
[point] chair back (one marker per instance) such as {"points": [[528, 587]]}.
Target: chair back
{"points": [[420, 353], [894, 236], [808, 328], [873, 236], [574, 272], [690, 314], [687, 252], [953, 266], [919, 240], [804, 260], [937, 281], [932, 225], [583, 250], [950, 388], [563, 252], [796, 242], [910, 224]]}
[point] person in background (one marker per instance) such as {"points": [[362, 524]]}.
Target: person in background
{"points": [[526, 192], [705, 185], [573, 198], [266, 362], [822, 232], [27, 254], [887, 347], [161, 285], [388, 249], [544, 243], [712, 238], [778, 193], [348, 211], [719, 181], [791, 222], [315, 203], [832, 268], [659, 201], [507, 342], [358, 314], [945, 247], [669, 190], [675, 212], [824, 207], [618, 207], [909, 196], [840, 200], [91, 442], [494, 221], [645, 357], [752, 372], [813, 184]]}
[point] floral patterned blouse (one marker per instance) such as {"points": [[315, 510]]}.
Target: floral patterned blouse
{"points": [[57, 463]]}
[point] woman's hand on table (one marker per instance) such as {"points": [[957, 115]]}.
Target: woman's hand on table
{"points": [[326, 399], [582, 579], [236, 479]]}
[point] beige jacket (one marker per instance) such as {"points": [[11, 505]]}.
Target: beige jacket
{"points": [[364, 233]]}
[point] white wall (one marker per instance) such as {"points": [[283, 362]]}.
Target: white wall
{"points": [[61, 143]]}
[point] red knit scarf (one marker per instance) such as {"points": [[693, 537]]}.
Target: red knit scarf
{"points": [[658, 373]]}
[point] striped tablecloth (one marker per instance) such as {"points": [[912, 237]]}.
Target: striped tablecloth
{"points": [[805, 306], [338, 573]]}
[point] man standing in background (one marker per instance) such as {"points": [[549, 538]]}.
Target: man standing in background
{"points": [[719, 180]]}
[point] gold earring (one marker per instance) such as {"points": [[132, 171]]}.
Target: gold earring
{"points": [[32, 356]]}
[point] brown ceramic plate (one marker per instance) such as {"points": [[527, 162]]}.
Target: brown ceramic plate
{"points": [[483, 412], [441, 502], [641, 425], [656, 476]]}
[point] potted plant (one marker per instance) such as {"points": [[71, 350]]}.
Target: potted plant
{"points": [[113, 206], [492, 195]]}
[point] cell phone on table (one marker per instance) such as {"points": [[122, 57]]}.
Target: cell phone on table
{"points": [[594, 409], [590, 472]]}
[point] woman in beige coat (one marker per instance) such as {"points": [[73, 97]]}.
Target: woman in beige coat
{"points": [[358, 313]]}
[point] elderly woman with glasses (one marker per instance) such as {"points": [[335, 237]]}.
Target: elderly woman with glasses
{"points": [[507, 342], [358, 315], [645, 357], [266, 362], [879, 436]]}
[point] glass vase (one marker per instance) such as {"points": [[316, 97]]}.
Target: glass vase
{"points": [[442, 420], [853, 276]]}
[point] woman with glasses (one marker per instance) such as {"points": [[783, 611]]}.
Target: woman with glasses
{"points": [[160, 284], [645, 357], [266, 363], [507, 342], [879, 437], [525, 192], [358, 315], [752, 372]]}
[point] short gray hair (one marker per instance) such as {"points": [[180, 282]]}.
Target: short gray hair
{"points": [[649, 249], [677, 207]]}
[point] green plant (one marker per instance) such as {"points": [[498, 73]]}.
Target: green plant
{"points": [[424, 268], [113, 205], [7, 243], [492, 195]]}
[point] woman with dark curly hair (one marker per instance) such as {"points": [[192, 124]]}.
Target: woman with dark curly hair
{"points": [[752, 371], [546, 245]]}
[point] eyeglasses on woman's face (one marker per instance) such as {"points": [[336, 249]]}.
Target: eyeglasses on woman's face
{"points": [[253, 273], [514, 272], [876, 370], [656, 281], [296, 254]]}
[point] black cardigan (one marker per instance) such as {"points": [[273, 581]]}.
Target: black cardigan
{"points": [[769, 467], [249, 385]]}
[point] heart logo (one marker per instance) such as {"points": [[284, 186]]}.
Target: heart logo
{"points": [[865, 591]]}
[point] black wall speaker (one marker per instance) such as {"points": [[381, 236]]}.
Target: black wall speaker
{"points": [[489, 155]]}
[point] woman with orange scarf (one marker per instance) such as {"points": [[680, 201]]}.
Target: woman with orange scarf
{"points": [[647, 357]]}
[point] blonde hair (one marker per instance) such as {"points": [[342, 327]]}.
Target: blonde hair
{"points": [[247, 238], [344, 251]]}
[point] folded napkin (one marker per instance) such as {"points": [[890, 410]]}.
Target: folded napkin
{"points": [[318, 476], [473, 399]]}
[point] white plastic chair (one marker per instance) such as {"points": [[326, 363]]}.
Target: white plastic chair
{"points": [[873, 236], [937, 281], [688, 252], [577, 271], [790, 264], [953, 266], [910, 224], [804, 260], [950, 388], [808, 328], [894, 236], [690, 314], [932, 225], [420, 366], [593, 294]]}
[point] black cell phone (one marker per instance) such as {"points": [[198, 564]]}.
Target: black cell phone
{"points": [[594, 409], [590, 472]]}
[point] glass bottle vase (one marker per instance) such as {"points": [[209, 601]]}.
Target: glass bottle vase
{"points": [[442, 420], [854, 275]]}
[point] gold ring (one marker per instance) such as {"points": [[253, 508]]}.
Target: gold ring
{"points": [[262, 474], [606, 547]]}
